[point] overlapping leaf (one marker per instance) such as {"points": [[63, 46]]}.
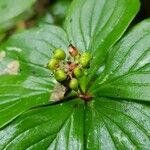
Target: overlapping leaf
{"points": [[96, 25], [12, 11], [127, 72], [34, 48]]}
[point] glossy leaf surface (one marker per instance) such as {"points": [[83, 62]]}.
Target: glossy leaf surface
{"points": [[127, 72], [113, 119], [33, 85], [33, 48], [18, 94], [51, 127], [114, 124]]}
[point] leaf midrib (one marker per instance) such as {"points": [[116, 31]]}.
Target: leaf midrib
{"points": [[107, 82]]}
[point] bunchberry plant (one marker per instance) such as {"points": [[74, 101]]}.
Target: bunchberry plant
{"points": [[93, 94]]}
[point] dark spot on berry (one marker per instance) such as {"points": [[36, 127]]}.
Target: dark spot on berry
{"points": [[70, 20]]}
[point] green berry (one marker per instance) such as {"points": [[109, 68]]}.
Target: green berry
{"points": [[60, 75], [85, 59], [77, 72], [53, 64], [59, 54], [73, 84]]}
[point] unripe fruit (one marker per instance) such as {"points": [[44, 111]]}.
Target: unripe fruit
{"points": [[77, 72], [53, 64], [73, 84], [85, 59], [77, 57], [59, 54], [60, 75]]}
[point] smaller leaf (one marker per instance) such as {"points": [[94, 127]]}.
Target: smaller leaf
{"points": [[83, 83]]}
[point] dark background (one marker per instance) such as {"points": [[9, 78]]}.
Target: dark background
{"points": [[144, 11], [46, 7]]}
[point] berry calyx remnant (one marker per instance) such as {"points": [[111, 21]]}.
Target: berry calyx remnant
{"points": [[69, 70]]}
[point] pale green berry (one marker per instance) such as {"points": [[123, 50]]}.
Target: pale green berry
{"points": [[77, 72], [59, 54], [60, 75], [73, 84], [53, 64], [85, 59]]}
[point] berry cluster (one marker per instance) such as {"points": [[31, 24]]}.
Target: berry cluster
{"points": [[68, 70]]}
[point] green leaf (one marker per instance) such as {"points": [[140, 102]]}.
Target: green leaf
{"points": [[33, 85], [127, 71], [42, 128], [112, 124], [10, 10], [18, 94], [83, 83], [33, 48], [30, 120], [95, 25]]}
